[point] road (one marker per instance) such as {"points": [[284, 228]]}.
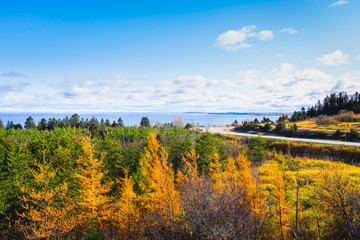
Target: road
{"points": [[227, 131]]}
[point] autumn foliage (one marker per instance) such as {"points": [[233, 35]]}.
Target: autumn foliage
{"points": [[48, 213], [78, 191], [93, 203]]}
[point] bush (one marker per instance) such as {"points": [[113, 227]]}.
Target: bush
{"points": [[267, 127], [337, 134], [256, 149], [353, 134], [280, 126]]}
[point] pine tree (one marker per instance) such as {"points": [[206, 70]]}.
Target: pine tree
{"points": [[29, 123], [120, 122], [145, 122]]}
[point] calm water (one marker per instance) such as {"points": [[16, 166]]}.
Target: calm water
{"points": [[199, 119]]}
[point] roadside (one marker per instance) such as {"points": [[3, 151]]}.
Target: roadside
{"points": [[228, 131]]}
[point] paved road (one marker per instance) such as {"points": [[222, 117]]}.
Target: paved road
{"points": [[227, 130]]}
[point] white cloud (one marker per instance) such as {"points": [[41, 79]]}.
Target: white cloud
{"points": [[286, 87], [285, 68], [250, 73], [12, 88], [233, 40], [116, 80], [191, 81], [338, 3], [290, 30], [333, 59], [349, 82], [265, 35], [357, 57]]}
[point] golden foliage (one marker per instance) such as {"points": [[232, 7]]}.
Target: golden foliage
{"points": [[281, 206], [126, 215], [48, 212], [190, 171], [234, 176], [94, 204], [216, 174], [158, 185]]}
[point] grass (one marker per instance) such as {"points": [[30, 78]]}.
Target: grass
{"points": [[307, 173]]}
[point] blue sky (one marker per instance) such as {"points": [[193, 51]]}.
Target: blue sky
{"points": [[176, 56]]}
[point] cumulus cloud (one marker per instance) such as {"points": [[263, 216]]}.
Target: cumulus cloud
{"points": [[116, 80], [250, 73], [333, 59], [191, 81], [349, 82], [233, 40], [338, 3], [194, 82], [13, 74], [281, 89], [265, 35], [357, 57], [290, 30], [285, 68]]}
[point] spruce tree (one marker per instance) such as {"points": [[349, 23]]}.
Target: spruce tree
{"points": [[30, 123]]}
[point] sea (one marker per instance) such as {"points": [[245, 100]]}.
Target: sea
{"points": [[133, 119]]}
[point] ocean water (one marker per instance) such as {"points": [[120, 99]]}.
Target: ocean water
{"points": [[131, 119]]}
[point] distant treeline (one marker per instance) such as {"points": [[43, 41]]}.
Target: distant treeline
{"points": [[74, 122], [331, 105]]}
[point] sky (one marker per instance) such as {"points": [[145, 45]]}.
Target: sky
{"points": [[176, 56]]}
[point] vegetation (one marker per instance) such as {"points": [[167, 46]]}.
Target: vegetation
{"points": [[331, 105], [172, 183]]}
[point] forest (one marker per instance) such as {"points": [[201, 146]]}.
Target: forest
{"points": [[331, 105], [172, 183]]}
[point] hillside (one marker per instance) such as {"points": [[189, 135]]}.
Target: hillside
{"points": [[171, 183]]}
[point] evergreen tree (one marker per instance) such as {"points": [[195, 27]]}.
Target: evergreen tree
{"points": [[145, 122], [52, 124], [120, 122], [30, 123], [42, 124], [1, 124], [18, 126], [107, 123], [74, 120], [10, 125]]}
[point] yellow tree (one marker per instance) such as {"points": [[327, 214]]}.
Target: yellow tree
{"points": [[48, 213], [94, 204], [159, 198], [190, 172], [216, 174], [282, 208], [126, 215], [237, 174]]}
